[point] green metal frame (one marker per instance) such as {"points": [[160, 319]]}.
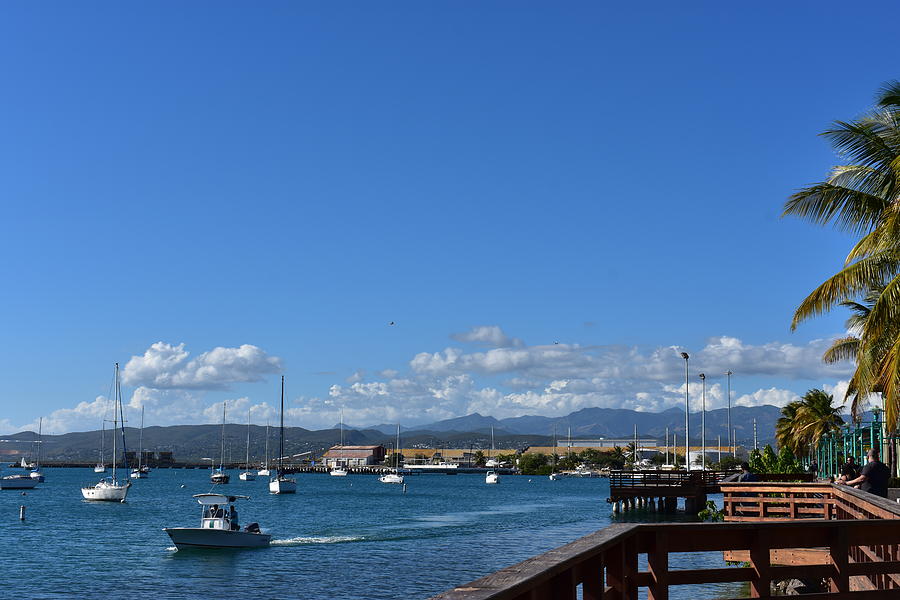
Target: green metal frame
{"points": [[854, 439]]}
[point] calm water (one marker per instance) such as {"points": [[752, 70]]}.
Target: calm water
{"points": [[347, 537]]}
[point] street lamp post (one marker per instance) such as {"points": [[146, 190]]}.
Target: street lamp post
{"points": [[687, 415], [730, 438], [703, 422]]}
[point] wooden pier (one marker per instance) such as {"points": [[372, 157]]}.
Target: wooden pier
{"points": [[809, 532]]}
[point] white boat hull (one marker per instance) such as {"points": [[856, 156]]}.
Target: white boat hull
{"points": [[99, 469], [37, 475], [16, 482], [283, 486], [391, 478], [106, 492], [195, 537], [263, 473], [138, 475], [492, 478], [338, 473], [247, 476]]}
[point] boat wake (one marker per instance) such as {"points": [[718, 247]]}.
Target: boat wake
{"points": [[332, 539]]}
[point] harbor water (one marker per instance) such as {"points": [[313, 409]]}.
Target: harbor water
{"points": [[338, 537]]}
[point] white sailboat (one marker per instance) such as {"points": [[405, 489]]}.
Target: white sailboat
{"points": [[264, 472], [36, 472], [492, 476], [219, 476], [110, 489], [340, 469], [281, 484], [101, 466], [140, 472], [395, 476], [247, 474]]}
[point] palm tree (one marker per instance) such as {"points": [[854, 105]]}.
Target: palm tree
{"points": [[815, 417], [786, 430], [863, 198]]}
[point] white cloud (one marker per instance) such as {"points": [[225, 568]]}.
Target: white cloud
{"points": [[505, 381], [166, 366], [488, 335]]}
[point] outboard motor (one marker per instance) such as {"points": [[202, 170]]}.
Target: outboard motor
{"points": [[252, 528]]}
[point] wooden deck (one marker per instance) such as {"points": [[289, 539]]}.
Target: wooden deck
{"points": [[784, 531]]}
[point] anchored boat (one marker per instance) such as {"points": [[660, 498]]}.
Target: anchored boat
{"points": [[219, 527]]}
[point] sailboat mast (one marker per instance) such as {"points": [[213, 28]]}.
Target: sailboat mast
{"points": [[41, 440], [222, 456], [281, 437], [115, 421], [397, 458], [267, 444], [247, 460], [141, 441]]}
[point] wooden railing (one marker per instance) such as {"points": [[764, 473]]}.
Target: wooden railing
{"points": [[856, 536], [668, 479]]}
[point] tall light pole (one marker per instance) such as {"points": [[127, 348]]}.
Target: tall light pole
{"points": [[730, 439], [703, 422], [687, 414]]}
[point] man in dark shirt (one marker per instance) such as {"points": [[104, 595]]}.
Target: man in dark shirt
{"points": [[874, 476], [849, 470]]}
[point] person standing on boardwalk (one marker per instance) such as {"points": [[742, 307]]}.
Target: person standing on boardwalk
{"points": [[874, 476]]}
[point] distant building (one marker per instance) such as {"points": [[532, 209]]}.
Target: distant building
{"points": [[353, 456], [607, 443]]}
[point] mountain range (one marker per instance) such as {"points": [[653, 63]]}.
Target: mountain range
{"points": [[196, 442]]}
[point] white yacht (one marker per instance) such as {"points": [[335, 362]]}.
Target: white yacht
{"points": [[110, 489], [219, 527], [281, 484], [492, 477]]}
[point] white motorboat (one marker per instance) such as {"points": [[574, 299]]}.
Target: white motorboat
{"points": [[141, 471], [247, 474], [492, 477], [264, 472], [338, 472], [219, 527], [281, 484], [110, 489], [391, 478], [219, 476], [99, 468], [17, 482]]}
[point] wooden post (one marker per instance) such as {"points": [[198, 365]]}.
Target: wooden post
{"points": [[630, 568], [658, 563], [592, 576], [615, 573], [840, 577], [760, 585]]}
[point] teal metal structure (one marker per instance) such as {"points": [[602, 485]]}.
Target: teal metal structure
{"points": [[853, 439]]}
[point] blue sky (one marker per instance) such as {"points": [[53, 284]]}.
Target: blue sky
{"points": [[291, 177]]}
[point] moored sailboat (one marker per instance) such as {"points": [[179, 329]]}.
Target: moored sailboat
{"points": [[219, 476], [247, 474], [340, 470], [140, 472], [264, 472], [36, 472], [281, 484], [110, 489], [395, 476]]}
